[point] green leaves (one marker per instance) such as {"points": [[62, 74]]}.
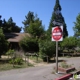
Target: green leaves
{"points": [[29, 44], [33, 25], [10, 52], [36, 29], [47, 48], [3, 43], [69, 42], [76, 27], [58, 18], [9, 26], [57, 5]]}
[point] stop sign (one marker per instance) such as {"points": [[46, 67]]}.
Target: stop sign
{"points": [[57, 33]]}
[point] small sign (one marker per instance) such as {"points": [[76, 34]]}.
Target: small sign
{"points": [[57, 23], [57, 33]]}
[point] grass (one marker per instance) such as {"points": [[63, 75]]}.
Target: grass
{"points": [[68, 56], [34, 58], [8, 66], [4, 65], [65, 65]]}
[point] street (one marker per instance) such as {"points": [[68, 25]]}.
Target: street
{"points": [[32, 73], [38, 72]]}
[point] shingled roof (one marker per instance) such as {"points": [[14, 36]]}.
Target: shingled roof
{"points": [[16, 37]]}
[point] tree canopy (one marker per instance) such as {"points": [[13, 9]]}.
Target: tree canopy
{"points": [[9, 26], [69, 42], [33, 25], [57, 16], [76, 27], [3, 43]]}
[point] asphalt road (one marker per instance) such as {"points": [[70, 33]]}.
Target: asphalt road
{"points": [[36, 73], [33, 73]]}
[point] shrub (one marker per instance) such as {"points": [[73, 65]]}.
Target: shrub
{"points": [[10, 52], [65, 65], [17, 61], [47, 48], [29, 44]]}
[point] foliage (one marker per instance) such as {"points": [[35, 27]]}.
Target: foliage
{"points": [[59, 18], [3, 43], [78, 50], [9, 26], [47, 48], [36, 29], [76, 27], [10, 52], [29, 18], [33, 25], [8, 66], [65, 65], [29, 44], [17, 61], [69, 42]]}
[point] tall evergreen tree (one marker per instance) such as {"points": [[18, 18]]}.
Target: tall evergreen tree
{"points": [[57, 16], [33, 25], [76, 27], [0, 21], [29, 18], [10, 26], [3, 43]]}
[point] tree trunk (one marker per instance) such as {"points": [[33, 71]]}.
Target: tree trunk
{"points": [[0, 56], [37, 58], [25, 56], [28, 60], [63, 54]]}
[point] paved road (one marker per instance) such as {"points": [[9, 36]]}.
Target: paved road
{"points": [[35, 73]]}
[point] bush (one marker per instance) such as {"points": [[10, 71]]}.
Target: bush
{"points": [[65, 65], [47, 48], [17, 61], [29, 44], [78, 50], [10, 52]]}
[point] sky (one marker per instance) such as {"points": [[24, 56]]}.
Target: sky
{"points": [[18, 9]]}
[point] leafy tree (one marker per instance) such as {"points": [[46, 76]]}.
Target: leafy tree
{"points": [[0, 21], [46, 48], [69, 42], [33, 25], [3, 43], [9, 26], [76, 27], [29, 44], [36, 28], [10, 53], [57, 16], [29, 18]]}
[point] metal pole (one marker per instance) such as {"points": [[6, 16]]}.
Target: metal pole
{"points": [[56, 56]]}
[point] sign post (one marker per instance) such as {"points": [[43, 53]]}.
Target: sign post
{"points": [[57, 35], [56, 56]]}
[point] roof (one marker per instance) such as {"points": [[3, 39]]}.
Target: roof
{"points": [[16, 37]]}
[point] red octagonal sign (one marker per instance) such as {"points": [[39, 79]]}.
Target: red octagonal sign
{"points": [[57, 33]]}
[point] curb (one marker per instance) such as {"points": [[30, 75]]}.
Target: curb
{"points": [[65, 77]]}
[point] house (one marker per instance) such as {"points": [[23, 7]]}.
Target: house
{"points": [[15, 38]]}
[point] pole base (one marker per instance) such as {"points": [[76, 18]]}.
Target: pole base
{"points": [[59, 72]]}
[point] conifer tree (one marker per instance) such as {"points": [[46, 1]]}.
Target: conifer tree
{"points": [[57, 17]]}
